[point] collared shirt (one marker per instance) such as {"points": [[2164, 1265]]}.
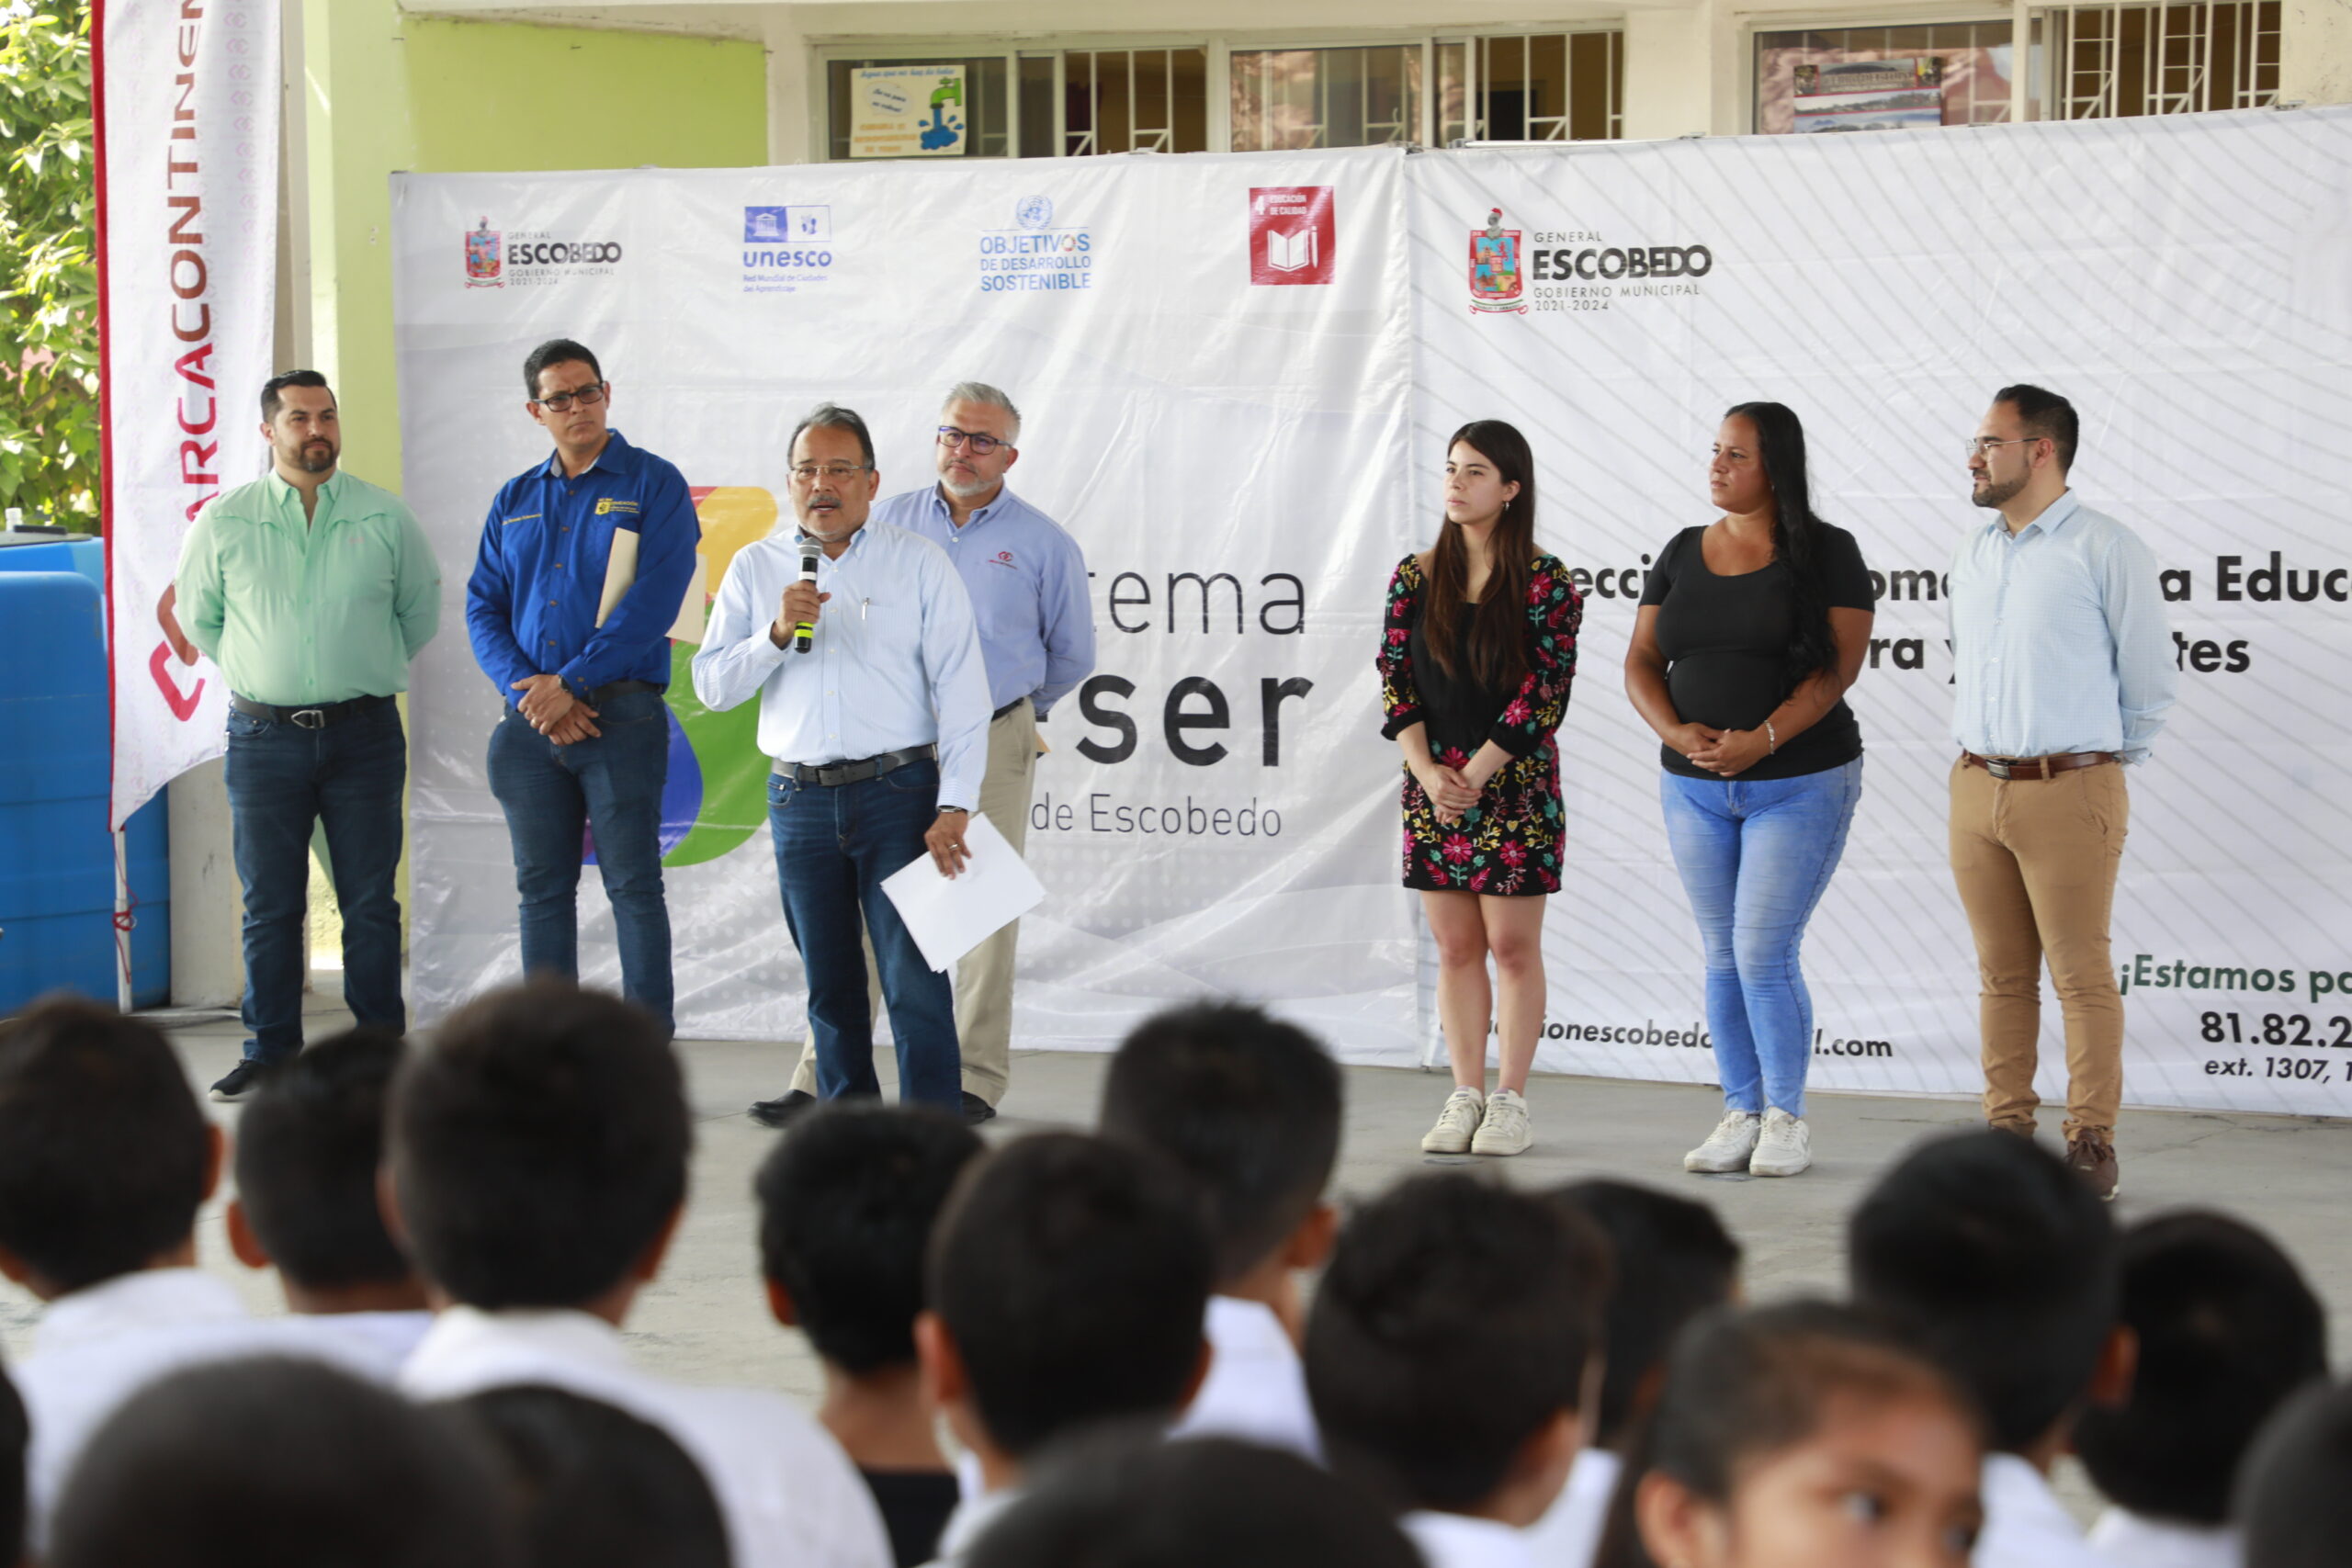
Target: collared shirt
{"points": [[545, 552], [894, 661], [1027, 579], [384, 1340], [2059, 638], [1569, 1532], [791, 1497], [971, 1521], [297, 610], [1256, 1390], [1457, 1541], [2025, 1525], [99, 1345], [2122, 1537]]}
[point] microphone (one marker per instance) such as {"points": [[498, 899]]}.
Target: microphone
{"points": [[803, 634]]}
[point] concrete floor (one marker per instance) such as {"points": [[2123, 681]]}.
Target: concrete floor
{"points": [[705, 1320]]}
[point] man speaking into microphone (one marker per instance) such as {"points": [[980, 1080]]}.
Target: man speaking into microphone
{"points": [[873, 704]]}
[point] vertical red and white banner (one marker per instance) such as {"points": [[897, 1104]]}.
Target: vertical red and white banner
{"points": [[187, 101]]}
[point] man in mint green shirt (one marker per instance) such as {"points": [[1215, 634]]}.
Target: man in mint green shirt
{"points": [[311, 591]]}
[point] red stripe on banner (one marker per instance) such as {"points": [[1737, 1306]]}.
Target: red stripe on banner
{"points": [[105, 375]]}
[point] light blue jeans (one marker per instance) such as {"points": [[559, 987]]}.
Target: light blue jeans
{"points": [[1754, 857]]}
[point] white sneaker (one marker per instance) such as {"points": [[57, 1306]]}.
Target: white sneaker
{"points": [[1505, 1130], [1456, 1123], [1783, 1148], [1728, 1146]]}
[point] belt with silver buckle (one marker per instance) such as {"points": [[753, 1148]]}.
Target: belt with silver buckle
{"points": [[865, 768], [316, 715], [2007, 767]]}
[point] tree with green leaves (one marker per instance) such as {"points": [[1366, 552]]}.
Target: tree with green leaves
{"points": [[49, 304]]}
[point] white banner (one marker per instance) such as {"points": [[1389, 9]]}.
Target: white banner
{"points": [[2188, 282], [1213, 364], [186, 100]]}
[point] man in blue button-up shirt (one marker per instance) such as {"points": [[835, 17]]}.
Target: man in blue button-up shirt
{"points": [[2063, 672], [585, 560]]}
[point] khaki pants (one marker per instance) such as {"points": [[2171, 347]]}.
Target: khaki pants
{"points": [[984, 976], [2035, 861]]}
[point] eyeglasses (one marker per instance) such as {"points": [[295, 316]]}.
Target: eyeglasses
{"points": [[587, 397], [840, 473], [981, 445], [1983, 445]]}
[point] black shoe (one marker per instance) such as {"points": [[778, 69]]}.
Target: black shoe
{"points": [[976, 1110], [779, 1112], [241, 1080]]}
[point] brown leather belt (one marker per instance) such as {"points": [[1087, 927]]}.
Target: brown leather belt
{"points": [[2037, 767]]}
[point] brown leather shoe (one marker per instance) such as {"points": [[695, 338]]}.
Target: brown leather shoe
{"points": [[2091, 1156]]}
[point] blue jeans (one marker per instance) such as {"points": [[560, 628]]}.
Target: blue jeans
{"points": [[283, 780], [833, 846], [1754, 857], [552, 794]]}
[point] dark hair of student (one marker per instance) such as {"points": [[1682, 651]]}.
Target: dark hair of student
{"points": [[1674, 1260], [307, 1146], [1246, 1105], [2043, 414], [847, 1204], [1796, 534], [556, 351], [1073, 1275], [2228, 1329], [15, 1439], [833, 416], [103, 1149], [596, 1487], [1498, 636], [274, 1463], [2002, 1261], [2292, 1507], [538, 1146], [270, 390], [1743, 1385], [1137, 1501], [1445, 1283]]}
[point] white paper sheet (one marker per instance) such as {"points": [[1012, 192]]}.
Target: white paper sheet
{"points": [[948, 918]]}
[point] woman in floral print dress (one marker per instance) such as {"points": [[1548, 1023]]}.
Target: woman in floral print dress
{"points": [[1475, 658]]}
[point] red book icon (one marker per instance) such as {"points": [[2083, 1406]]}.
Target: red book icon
{"points": [[1294, 232]]}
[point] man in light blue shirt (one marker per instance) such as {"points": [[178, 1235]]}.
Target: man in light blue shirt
{"points": [[1027, 579], [878, 725], [2063, 672]]}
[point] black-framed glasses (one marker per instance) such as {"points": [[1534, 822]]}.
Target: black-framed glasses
{"points": [[1982, 446], [980, 446], [840, 473], [587, 397]]}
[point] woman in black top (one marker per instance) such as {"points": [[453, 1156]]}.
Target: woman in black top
{"points": [[1751, 628]]}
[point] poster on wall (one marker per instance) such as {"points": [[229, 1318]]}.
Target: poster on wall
{"points": [[907, 111], [1870, 95]]}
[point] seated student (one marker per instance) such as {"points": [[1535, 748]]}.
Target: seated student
{"points": [[105, 1158], [278, 1464], [1211, 1501], [2228, 1330], [1248, 1108], [308, 1142], [1805, 1435], [2003, 1262], [1066, 1284], [1672, 1259], [2292, 1506], [536, 1167], [593, 1486], [15, 1437], [1452, 1354], [847, 1203]]}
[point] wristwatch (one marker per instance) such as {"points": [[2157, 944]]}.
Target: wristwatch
{"points": [[959, 811]]}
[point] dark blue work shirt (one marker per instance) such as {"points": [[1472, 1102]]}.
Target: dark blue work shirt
{"points": [[540, 577]]}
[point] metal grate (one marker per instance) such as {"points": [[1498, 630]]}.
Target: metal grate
{"points": [[1533, 87], [2112, 61], [1295, 98]]}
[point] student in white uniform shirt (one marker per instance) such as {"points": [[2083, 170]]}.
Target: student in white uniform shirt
{"points": [[1807, 1435], [1248, 1108], [309, 1141], [536, 1158], [1454, 1356], [2292, 1506], [1670, 1260], [2229, 1330], [1067, 1285], [2005, 1261], [105, 1158]]}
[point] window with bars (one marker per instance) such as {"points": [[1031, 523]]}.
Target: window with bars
{"points": [[985, 79], [1079, 102], [2109, 61], [1531, 87], [1974, 63], [1286, 99]]}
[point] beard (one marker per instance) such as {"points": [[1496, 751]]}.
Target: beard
{"points": [[305, 458], [963, 490], [1987, 493]]}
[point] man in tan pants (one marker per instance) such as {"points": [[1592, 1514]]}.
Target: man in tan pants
{"points": [[1027, 579], [2063, 671]]}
